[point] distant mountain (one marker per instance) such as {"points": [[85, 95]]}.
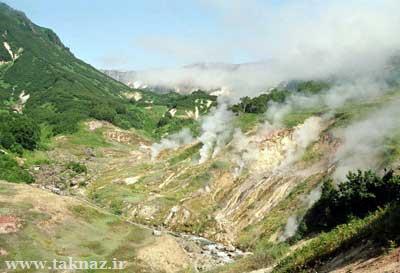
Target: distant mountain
{"points": [[210, 77]]}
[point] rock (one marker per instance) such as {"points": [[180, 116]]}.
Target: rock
{"points": [[174, 209], [157, 232], [95, 124], [186, 215], [131, 180], [73, 182], [230, 248], [20, 161], [55, 190], [220, 247], [90, 152]]}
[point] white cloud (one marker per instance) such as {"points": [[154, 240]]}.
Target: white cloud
{"points": [[294, 39]]}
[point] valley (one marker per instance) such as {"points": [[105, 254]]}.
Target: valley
{"points": [[191, 174]]}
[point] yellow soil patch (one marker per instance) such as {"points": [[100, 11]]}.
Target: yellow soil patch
{"points": [[165, 255]]}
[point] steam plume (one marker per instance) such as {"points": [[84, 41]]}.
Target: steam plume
{"points": [[173, 141], [216, 129]]}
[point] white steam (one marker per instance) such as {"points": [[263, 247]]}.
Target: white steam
{"points": [[293, 221], [216, 131], [173, 141], [291, 227], [303, 136], [270, 152], [216, 128], [329, 101], [363, 141], [345, 39], [245, 149]]}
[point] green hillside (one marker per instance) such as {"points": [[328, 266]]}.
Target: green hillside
{"points": [[63, 90]]}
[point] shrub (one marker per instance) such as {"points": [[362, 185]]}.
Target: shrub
{"points": [[17, 148], [103, 112], [116, 207], [18, 130], [6, 139], [362, 193], [77, 167], [12, 172], [260, 103], [26, 132]]}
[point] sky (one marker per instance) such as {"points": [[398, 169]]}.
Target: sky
{"points": [[121, 33], [141, 35]]}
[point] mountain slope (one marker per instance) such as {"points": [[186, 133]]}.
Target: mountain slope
{"points": [[38, 73], [40, 77]]}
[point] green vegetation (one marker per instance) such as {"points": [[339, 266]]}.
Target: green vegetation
{"points": [[362, 193], [36, 157], [65, 91], [84, 137], [81, 232], [380, 228], [261, 103], [168, 124], [259, 259], [176, 100], [77, 167], [309, 87], [18, 132], [185, 154], [12, 172], [363, 209], [392, 149], [247, 121]]}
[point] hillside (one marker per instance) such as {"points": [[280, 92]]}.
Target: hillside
{"points": [[42, 78], [38, 71]]}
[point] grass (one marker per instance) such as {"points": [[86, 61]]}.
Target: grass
{"points": [[391, 149], [259, 259], [382, 227], [84, 137], [37, 157], [83, 233], [247, 121], [349, 112], [297, 117], [185, 154]]}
